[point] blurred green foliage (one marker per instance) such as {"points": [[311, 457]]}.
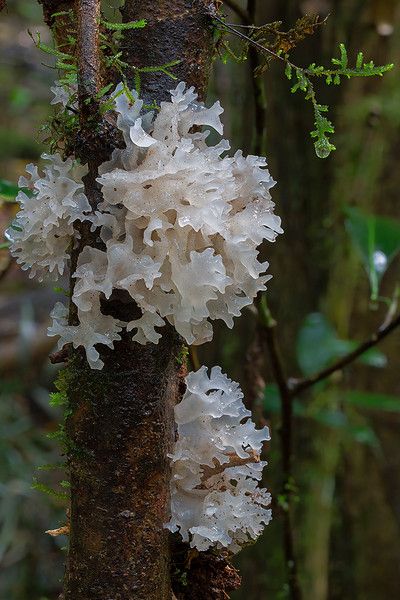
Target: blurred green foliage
{"points": [[341, 218], [318, 346], [378, 241]]}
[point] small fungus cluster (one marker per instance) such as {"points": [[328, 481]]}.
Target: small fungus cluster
{"points": [[215, 498]]}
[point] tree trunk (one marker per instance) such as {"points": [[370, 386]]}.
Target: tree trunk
{"points": [[119, 433], [120, 425]]}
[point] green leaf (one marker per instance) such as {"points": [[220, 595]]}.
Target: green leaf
{"points": [[57, 399], [318, 346], [323, 128], [45, 489], [341, 62], [378, 241], [104, 91], [373, 401], [51, 467], [288, 71], [8, 190], [372, 357], [330, 417], [364, 434]]}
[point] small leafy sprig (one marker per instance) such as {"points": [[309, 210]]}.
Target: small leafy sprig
{"points": [[140, 24], [323, 126], [65, 122], [278, 49]]}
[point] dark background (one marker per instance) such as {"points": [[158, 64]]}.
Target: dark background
{"points": [[347, 451]]}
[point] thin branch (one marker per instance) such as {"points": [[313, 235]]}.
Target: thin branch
{"points": [[297, 387], [248, 18], [88, 12], [260, 103], [249, 40], [265, 50], [239, 11], [194, 359], [268, 328]]}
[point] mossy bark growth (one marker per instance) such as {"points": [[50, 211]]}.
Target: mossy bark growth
{"points": [[120, 431], [120, 424]]}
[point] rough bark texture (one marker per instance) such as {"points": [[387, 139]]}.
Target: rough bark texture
{"points": [[179, 30], [120, 431], [210, 577], [120, 424], [89, 61]]}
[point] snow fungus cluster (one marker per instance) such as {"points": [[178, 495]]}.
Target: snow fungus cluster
{"points": [[215, 498], [181, 222], [179, 227]]}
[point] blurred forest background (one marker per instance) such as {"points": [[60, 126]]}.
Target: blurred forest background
{"points": [[342, 239]]}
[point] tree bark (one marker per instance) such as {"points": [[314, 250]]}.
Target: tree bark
{"points": [[120, 425], [119, 433], [175, 31]]}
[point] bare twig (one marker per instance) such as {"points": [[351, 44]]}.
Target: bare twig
{"points": [[267, 329], [64, 530], [250, 41], [297, 387], [282, 56]]}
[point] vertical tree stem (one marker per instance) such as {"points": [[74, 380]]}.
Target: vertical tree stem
{"points": [[268, 328], [120, 425], [268, 334], [260, 102]]}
